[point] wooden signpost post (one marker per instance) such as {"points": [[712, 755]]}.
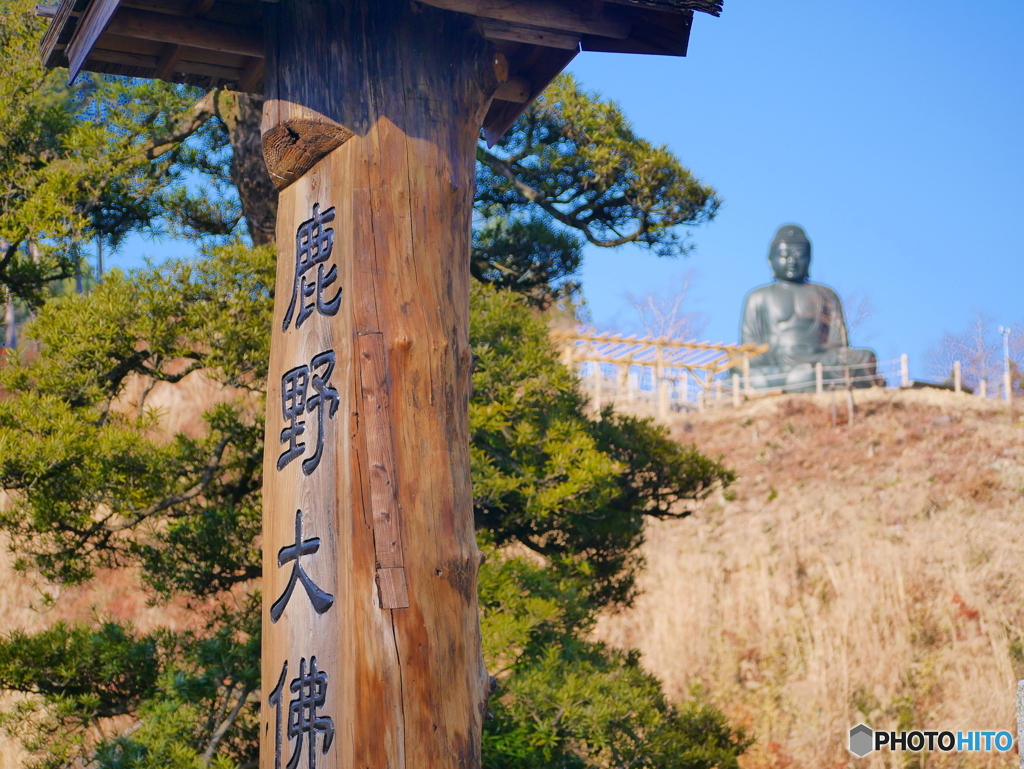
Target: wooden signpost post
{"points": [[371, 642]]}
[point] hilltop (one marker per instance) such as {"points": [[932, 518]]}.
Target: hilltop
{"points": [[852, 573]]}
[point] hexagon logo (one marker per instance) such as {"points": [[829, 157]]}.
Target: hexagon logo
{"points": [[861, 740]]}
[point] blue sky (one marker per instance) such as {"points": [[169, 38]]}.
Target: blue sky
{"points": [[894, 134]]}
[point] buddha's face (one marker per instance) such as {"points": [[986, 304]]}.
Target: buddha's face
{"points": [[791, 262]]}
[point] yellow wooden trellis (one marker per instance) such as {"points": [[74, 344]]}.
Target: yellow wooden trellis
{"points": [[670, 358]]}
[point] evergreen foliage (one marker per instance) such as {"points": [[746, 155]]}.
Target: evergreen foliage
{"points": [[572, 171], [102, 158], [95, 483]]}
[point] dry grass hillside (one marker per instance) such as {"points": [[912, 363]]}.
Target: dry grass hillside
{"points": [[864, 572], [870, 572]]}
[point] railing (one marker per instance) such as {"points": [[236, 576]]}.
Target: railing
{"points": [[667, 372], [668, 375]]}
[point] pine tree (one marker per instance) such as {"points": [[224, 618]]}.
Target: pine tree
{"points": [[95, 484]]}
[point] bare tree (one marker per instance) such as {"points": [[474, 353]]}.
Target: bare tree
{"points": [[858, 308], [980, 352], [664, 314]]}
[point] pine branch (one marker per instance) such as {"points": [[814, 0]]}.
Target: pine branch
{"points": [[499, 166], [225, 725]]}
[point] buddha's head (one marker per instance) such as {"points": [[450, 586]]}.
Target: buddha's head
{"points": [[790, 254]]}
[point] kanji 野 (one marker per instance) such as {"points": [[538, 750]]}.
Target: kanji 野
{"points": [[297, 400], [321, 600], [304, 719], [313, 246]]}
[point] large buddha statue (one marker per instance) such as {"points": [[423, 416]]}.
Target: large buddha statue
{"points": [[802, 323]]}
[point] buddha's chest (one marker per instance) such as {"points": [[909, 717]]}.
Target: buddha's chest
{"points": [[795, 306]]}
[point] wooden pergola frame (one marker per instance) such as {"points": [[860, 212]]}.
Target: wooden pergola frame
{"points": [[703, 360]]}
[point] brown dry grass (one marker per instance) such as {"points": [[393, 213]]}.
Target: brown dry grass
{"points": [[866, 573]]}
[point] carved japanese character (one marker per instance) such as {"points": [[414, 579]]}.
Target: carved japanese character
{"points": [[322, 601], [304, 719], [313, 246], [305, 389], [323, 396], [274, 700], [294, 384]]}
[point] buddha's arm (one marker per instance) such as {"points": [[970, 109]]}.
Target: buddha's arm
{"points": [[752, 328], [837, 335]]}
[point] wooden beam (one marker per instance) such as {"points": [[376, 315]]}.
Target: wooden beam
{"points": [[522, 33], [165, 69], [713, 7], [52, 47], [252, 76], [540, 13], [654, 32], [515, 89], [89, 29], [197, 33], [184, 66], [169, 60], [543, 64], [123, 57], [199, 7]]}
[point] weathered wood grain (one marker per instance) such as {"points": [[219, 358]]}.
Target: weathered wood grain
{"points": [[551, 14], [515, 89], [95, 19], [200, 33], [380, 459], [524, 33], [295, 139], [401, 643]]}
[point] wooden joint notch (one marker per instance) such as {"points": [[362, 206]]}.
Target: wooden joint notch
{"points": [[392, 590], [515, 89], [294, 139]]}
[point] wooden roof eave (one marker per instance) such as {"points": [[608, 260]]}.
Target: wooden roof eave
{"points": [[188, 40]]}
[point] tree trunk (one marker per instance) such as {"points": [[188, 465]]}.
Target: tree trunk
{"points": [[371, 652], [241, 114]]}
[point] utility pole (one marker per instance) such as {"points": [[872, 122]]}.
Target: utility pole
{"points": [[1007, 384]]}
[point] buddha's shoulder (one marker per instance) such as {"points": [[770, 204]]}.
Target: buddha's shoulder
{"points": [[760, 293], [826, 292], [766, 292]]}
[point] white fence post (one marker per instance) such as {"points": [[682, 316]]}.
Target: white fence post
{"points": [[662, 390], [736, 390], [905, 370], [819, 377], [957, 382]]}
